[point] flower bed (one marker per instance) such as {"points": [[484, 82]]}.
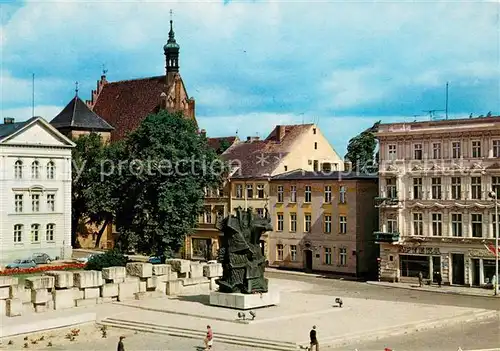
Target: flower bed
{"points": [[40, 269]]}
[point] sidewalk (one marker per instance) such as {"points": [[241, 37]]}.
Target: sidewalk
{"points": [[445, 289], [314, 274]]}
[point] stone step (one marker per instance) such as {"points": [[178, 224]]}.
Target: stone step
{"points": [[196, 334]]}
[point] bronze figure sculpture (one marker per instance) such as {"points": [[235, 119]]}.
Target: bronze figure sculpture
{"points": [[242, 260]]}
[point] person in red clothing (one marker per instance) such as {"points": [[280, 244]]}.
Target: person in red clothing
{"points": [[209, 339]]}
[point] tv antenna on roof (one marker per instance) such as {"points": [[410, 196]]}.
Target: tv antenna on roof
{"points": [[432, 113]]}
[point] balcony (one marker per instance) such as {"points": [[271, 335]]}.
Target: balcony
{"points": [[384, 237]]}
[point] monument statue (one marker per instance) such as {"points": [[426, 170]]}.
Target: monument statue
{"points": [[242, 260]]}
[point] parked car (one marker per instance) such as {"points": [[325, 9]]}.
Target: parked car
{"points": [[157, 259], [29, 263], [86, 259], [41, 257]]}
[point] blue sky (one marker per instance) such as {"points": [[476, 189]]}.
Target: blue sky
{"points": [[251, 65]]}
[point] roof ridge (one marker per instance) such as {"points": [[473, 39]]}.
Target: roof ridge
{"points": [[74, 111], [134, 79]]}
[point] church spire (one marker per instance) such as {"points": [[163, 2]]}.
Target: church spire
{"points": [[171, 50]]}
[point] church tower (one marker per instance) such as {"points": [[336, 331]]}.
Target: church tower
{"points": [[171, 50]]}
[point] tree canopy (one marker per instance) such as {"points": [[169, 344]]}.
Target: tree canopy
{"points": [[361, 150]]}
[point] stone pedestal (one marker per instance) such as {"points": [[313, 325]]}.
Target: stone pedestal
{"points": [[240, 301]]}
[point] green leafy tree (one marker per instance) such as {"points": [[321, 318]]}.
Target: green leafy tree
{"points": [[361, 150], [169, 165]]}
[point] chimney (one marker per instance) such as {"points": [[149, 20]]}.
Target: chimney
{"points": [[251, 139], [280, 133], [8, 120]]}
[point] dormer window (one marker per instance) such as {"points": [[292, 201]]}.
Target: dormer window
{"points": [[51, 170], [18, 169], [35, 170]]}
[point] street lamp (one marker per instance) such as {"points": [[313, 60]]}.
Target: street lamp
{"points": [[493, 195]]}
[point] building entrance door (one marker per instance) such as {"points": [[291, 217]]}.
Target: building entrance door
{"points": [[436, 267], [457, 266], [476, 272], [308, 260]]}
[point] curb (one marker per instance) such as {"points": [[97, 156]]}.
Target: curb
{"points": [[405, 329], [448, 292]]}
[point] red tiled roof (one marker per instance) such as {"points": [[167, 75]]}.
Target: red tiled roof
{"points": [[124, 104], [261, 157], [215, 143]]}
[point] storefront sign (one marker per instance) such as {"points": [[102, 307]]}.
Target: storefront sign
{"points": [[481, 253], [420, 250]]}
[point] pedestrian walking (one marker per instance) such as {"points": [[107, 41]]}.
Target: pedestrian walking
{"points": [[121, 347], [314, 338], [420, 279], [439, 278], [209, 339]]}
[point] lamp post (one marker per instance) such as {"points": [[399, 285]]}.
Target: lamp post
{"points": [[493, 195]]}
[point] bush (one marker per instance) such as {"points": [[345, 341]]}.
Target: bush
{"points": [[108, 259]]}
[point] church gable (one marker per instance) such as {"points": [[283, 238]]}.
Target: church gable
{"points": [[37, 132]]}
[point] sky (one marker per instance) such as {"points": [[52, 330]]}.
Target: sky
{"points": [[252, 65]]}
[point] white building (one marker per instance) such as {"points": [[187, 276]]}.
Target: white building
{"points": [[35, 190], [435, 212]]}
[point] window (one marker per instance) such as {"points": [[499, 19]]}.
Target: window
{"points": [[279, 252], [476, 149], [293, 193], [328, 255], [208, 214], [239, 191], [18, 233], [315, 165], [35, 233], [293, 222], [342, 196], [437, 224], [496, 148], [456, 149], [436, 188], [49, 232], [307, 222], [18, 169], [418, 224], [35, 170], [436, 150], [392, 226], [342, 224], [476, 188], [260, 191], [477, 225], [495, 185], [51, 170], [249, 191], [456, 224], [286, 168], [315, 146], [51, 202], [456, 188], [18, 202], [314, 130], [417, 188], [343, 256], [307, 194], [328, 223], [326, 167], [280, 193], [494, 222], [35, 203], [280, 222], [328, 194], [390, 184], [391, 151], [293, 252], [417, 151]]}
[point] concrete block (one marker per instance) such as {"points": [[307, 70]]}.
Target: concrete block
{"points": [[173, 276], [140, 269], [14, 307], [114, 273], [50, 304], [196, 270], [161, 269], [62, 280], [20, 292], [212, 270], [109, 290], [78, 294], [40, 282], [173, 287], [85, 302], [130, 279], [142, 286], [41, 307], [40, 296], [105, 300], [244, 301], [91, 293], [3, 308], [179, 265], [195, 281], [161, 287], [6, 280], [88, 279], [63, 299], [28, 308], [4, 293], [127, 290], [213, 285], [152, 282]]}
